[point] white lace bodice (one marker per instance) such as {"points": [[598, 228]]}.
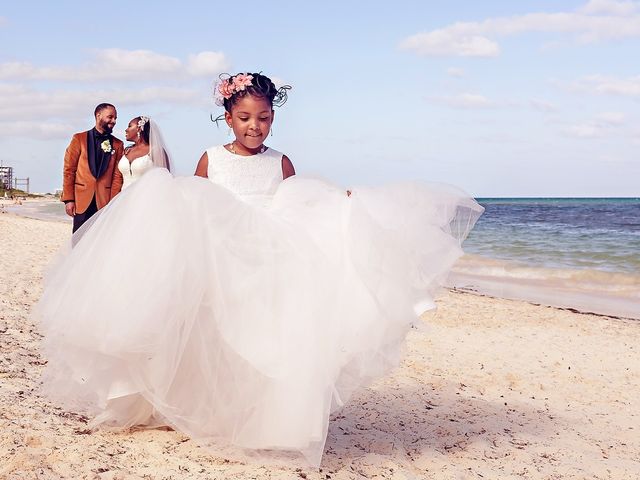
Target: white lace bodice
{"points": [[253, 178], [132, 171]]}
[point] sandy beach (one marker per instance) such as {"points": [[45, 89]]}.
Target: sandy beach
{"points": [[488, 388]]}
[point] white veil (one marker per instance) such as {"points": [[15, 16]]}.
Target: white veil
{"points": [[158, 150]]}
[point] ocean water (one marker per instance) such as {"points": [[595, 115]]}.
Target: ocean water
{"points": [[581, 253], [40, 209], [583, 233]]}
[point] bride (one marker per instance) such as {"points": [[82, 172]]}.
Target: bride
{"points": [[140, 157], [242, 312]]}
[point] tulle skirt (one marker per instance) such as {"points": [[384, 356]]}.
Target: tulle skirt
{"points": [[243, 326]]}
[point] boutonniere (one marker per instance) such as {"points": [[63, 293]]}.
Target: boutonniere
{"points": [[106, 146]]}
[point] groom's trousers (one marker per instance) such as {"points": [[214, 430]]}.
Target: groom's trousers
{"points": [[80, 218]]}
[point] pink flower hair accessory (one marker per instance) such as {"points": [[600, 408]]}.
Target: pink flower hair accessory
{"points": [[225, 88], [242, 80]]}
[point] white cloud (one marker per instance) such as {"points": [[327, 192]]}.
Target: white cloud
{"points": [[601, 84], [500, 138], [597, 20], [611, 118], [52, 113], [35, 130], [615, 159], [446, 42], [609, 7], [207, 64], [144, 75], [584, 131], [543, 106], [465, 100], [118, 64], [20, 104], [604, 124], [455, 72]]}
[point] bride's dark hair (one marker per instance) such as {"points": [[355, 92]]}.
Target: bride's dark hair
{"points": [[146, 129], [261, 87]]}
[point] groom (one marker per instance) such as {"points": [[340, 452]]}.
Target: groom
{"points": [[91, 177]]}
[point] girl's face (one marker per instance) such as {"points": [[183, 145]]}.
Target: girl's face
{"points": [[250, 118], [131, 132]]}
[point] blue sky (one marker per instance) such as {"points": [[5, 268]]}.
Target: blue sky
{"points": [[500, 98]]}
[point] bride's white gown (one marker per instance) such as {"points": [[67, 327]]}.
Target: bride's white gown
{"points": [[242, 312], [132, 170]]}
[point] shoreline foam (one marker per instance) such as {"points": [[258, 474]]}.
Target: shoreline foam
{"points": [[588, 291]]}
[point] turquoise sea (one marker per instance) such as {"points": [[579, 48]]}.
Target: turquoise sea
{"points": [[583, 233], [581, 253]]}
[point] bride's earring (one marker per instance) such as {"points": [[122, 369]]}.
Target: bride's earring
{"points": [[229, 131], [271, 132]]}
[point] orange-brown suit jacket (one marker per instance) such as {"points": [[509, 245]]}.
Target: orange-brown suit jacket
{"points": [[78, 183]]}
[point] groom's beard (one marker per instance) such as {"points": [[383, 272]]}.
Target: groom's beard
{"points": [[106, 127]]}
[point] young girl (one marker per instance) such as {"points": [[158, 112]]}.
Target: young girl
{"points": [[244, 307], [248, 102]]}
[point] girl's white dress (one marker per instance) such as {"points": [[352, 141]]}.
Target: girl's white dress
{"points": [[242, 310]]}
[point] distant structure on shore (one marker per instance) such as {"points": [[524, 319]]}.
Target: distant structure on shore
{"points": [[6, 177], [22, 182], [8, 182]]}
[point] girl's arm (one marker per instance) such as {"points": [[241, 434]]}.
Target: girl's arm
{"points": [[203, 166], [287, 168]]}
